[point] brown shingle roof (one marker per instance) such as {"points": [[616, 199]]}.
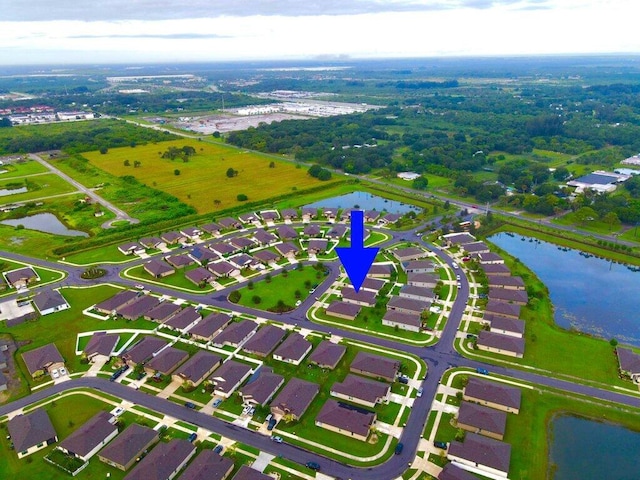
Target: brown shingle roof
{"points": [[167, 360], [42, 357], [162, 312], [31, 429], [502, 308], [91, 434], [293, 348], [208, 465], [102, 343], [118, 300], [628, 359], [327, 354], [505, 295], [344, 308], [361, 388], [198, 365], [138, 307], [484, 418], [337, 415], [493, 392], [265, 340], [210, 324], [144, 349], [248, 473], [229, 374], [484, 451], [163, 460], [129, 444], [453, 472], [502, 342], [157, 268], [262, 388], [235, 332], [375, 365], [296, 396], [183, 318]]}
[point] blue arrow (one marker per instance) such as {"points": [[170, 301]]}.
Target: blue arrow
{"points": [[356, 259]]}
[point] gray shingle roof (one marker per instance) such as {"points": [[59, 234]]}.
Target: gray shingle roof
{"points": [[208, 465], [31, 429], [163, 460], [493, 392], [91, 434], [47, 299], [41, 357], [129, 444], [484, 451], [337, 415], [484, 418]]}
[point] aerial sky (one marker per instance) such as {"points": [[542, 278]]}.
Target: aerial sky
{"points": [[125, 31]]}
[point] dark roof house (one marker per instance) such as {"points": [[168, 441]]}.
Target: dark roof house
{"points": [[327, 354]]}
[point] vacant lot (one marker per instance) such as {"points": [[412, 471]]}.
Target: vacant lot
{"points": [[202, 180]]}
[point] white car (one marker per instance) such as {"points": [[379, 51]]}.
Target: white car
{"points": [[457, 277], [118, 411], [63, 371], [454, 265], [298, 303], [419, 392], [55, 374]]}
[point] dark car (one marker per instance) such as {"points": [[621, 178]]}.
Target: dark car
{"points": [[189, 404], [403, 379], [272, 423], [218, 449], [192, 437], [440, 444], [482, 371], [313, 466], [399, 448]]}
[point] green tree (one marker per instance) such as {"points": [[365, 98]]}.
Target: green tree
{"points": [[585, 214], [250, 284], [231, 172], [176, 172], [234, 296], [242, 197], [136, 163], [103, 150], [6, 122], [611, 219], [447, 205], [256, 299], [127, 163], [420, 183], [272, 165]]}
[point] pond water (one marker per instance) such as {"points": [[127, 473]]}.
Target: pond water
{"points": [[6, 191], [364, 201], [590, 450], [45, 222], [590, 294]]}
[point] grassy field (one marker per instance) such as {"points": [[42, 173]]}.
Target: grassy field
{"points": [[176, 279], [281, 288], [21, 168], [29, 242], [207, 167], [40, 186]]}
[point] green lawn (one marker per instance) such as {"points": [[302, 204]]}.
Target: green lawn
{"points": [[282, 287], [40, 186], [21, 168], [46, 275], [30, 242], [176, 279], [106, 254]]}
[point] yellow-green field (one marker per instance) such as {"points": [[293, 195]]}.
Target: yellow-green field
{"points": [[202, 181]]}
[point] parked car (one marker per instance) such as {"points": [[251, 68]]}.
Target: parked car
{"points": [[471, 336], [457, 277], [454, 265], [218, 449], [419, 392], [403, 379], [216, 402], [399, 448], [139, 287], [118, 411], [272, 424], [55, 374], [141, 375], [298, 303], [440, 444], [313, 466], [482, 371], [277, 439], [63, 371], [189, 404], [192, 437], [269, 417]]}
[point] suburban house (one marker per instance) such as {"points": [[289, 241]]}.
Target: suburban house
{"points": [[31, 432], [422, 279], [197, 368], [410, 253], [183, 320], [210, 326], [162, 312], [171, 238], [502, 344], [199, 276], [243, 261], [309, 213], [629, 363], [339, 418], [485, 454], [364, 298], [264, 238], [166, 361], [223, 249], [229, 223], [228, 377], [347, 311], [452, 472], [407, 305], [389, 218], [371, 216], [242, 243], [404, 321], [417, 293], [158, 269], [43, 360], [380, 270], [128, 446], [330, 213], [491, 394], [293, 349], [101, 346], [285, 232], [153, 242], [312, 230], [248, 473], [327, 354], [463, 238], [317, 246], [289, 214], [496, 269], [287, 249], [375, 366], [262, 386], [143, 350], [490, 259], [266, 256], [87, 440], [475, 248], [21, 277], [338, 231], [50, 301], [249, 218], [138, 307], [294, 399], [482, 420], [211, 228], [345, 216], [502, 309], [506, 282], [131, 248], [235, 334], [203, 255], [223, 269], [361, 390], [419, 266], [208, 465], [118, 301], [264, 341], [505, 326], [372, 285], [164, 462], [270, 216], [519, 297], [180, 261], [192, 233]]}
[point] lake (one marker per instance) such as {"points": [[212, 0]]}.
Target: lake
{"points": [[590, 450], [6, 191], [45, 222], [590, 294], [364, 201]]}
